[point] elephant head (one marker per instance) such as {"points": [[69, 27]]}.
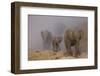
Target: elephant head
{"points": [[46, 37], [72, 38], [56, 43]]}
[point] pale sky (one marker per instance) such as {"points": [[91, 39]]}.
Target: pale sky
{"points": [[55, 24]]}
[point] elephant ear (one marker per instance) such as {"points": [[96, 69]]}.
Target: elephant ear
{"points": [[69, 34], [81, 34], [42, 34], [60, 39]]}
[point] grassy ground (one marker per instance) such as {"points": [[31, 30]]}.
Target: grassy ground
{"points": [[51, 55]]}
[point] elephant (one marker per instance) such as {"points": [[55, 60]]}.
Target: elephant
{"points": [[72, 39], [47, 38], [56, 40]]}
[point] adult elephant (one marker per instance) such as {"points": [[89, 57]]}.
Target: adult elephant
{"points": [[72, 39], [46, 37]]}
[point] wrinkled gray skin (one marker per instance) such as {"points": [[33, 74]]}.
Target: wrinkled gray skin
{"points": [[72, 39], [56, 43], [46, 37]]}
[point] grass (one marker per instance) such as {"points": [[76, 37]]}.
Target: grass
{"points": [[51, 55]]}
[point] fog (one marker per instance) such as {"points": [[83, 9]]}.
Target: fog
{"points": [[56, 25]]}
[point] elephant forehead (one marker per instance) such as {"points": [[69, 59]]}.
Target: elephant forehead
{"points": [[76, 34], [45, 33], [72, 35]]}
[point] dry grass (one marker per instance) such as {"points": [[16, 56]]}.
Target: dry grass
{"points": [[51, 55]]}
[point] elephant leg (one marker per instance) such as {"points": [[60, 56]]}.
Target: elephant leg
{"points": [[53, 45], [57, 47], [77, 51], [69, 51], [44, 45]]}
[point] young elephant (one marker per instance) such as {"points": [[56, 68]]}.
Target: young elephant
{"points": [[72, 38], [47, 38], [56, 43]]}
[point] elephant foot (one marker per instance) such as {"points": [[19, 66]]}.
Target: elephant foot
{"points": [[68, 53], [77, 54], [55, 50]]}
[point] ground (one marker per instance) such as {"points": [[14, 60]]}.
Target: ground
{"points": [[51, 55]]}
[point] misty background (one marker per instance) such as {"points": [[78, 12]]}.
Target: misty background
{"points": [[56, 25]]}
